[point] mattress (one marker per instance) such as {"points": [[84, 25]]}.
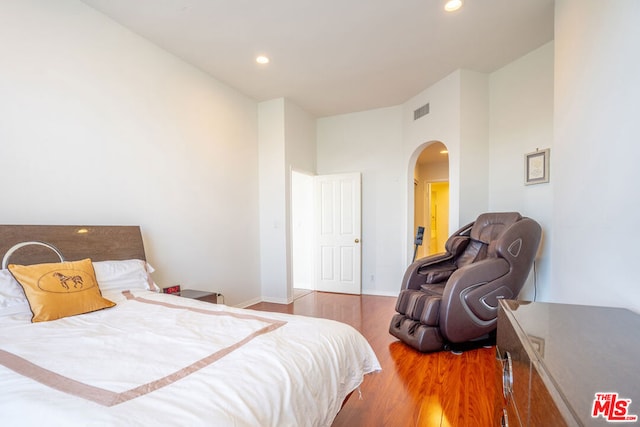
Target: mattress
{"points": [[156, 359]]}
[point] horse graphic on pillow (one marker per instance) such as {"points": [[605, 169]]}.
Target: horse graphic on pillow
{"points": [[77, 281]]}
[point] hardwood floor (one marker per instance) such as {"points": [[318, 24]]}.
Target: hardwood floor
{"points": [[413, 389]]}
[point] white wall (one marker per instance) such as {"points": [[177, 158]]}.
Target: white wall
{"points": [[273, 201], [384, 145], [371, 143], [474, 146], [300, 137], [441, 124], [99, 126], [458, 118], [577, 96], [596, 202], [521, 121], [287, 143], [300, 153]]}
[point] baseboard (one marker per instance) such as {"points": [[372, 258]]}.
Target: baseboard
{"points": [[285, 301], [263, 299], [278, 300], [248, 303], [381, 293]]}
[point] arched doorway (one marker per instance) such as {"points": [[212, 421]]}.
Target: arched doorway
{"points": [[431, 198]]}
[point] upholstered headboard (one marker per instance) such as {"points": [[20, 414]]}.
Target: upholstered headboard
{"points": [[74, 242]]}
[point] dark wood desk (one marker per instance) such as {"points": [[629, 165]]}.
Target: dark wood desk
{"points": [[554, 358]]}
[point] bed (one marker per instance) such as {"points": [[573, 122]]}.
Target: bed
{"points": [[153, 358]]}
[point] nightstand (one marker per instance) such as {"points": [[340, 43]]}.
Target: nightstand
{"points": [[211, 297]]}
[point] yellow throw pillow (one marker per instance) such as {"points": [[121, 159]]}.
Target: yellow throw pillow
{"points": [[59, 290]]}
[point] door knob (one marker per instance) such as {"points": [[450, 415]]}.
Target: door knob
{"points": [[357, 240]]}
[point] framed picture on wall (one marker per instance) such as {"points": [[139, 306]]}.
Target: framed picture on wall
{"points": [[536, 167]]}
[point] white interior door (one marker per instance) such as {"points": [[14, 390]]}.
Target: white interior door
{"points": [[338, 253]]}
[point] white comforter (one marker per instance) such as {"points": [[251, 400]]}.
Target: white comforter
{"points": [[181, 362]]}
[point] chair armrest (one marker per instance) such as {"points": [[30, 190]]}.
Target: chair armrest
{"points": [[477, 273], [454, 246], [413, 280], [462, 311], [438, 273]]}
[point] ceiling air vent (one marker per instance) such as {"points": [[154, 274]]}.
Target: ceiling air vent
{"points": [[422, 111]]}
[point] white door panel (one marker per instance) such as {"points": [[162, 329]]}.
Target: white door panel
{"points": [[338, 201]]}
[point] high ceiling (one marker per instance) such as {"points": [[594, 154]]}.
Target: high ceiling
{"points": [[337, 56]]}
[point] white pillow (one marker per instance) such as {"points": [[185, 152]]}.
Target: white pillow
{"points": [[12, 297], [124, 275]]}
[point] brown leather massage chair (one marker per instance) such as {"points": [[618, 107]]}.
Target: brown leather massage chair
{"points": [[450, 300]]}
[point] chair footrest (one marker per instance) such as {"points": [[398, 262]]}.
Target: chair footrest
{"points": [[420, 306], [421, 337]]}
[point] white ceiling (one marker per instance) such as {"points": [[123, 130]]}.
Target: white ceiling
{"points": [[337, 56]]}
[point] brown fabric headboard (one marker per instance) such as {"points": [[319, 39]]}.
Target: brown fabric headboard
{"points": [[100, 243]]}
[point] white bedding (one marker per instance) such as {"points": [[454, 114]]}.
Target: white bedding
{"points": [[181, 362]]}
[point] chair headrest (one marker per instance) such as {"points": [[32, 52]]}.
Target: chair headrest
{"points": [[489, 226]]}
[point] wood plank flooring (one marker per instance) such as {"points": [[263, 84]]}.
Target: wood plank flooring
{"points": [[413, 389]]}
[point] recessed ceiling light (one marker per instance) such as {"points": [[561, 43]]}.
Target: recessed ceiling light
{"points": [[262, 59], [452, 5]]}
